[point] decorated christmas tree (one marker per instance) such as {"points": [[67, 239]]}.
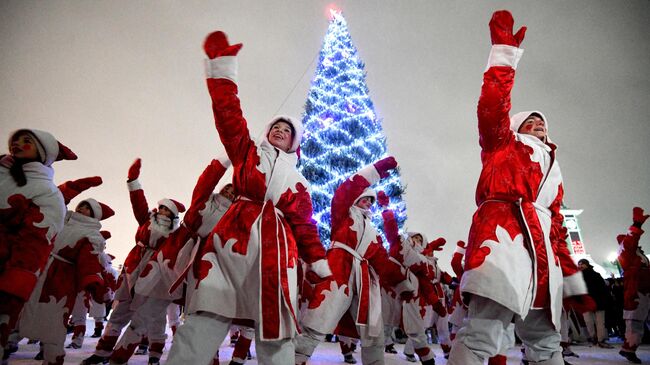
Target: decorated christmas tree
{"points": [[342, 131]]}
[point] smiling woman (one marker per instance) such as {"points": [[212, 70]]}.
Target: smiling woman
{"points": [[281, 135]]}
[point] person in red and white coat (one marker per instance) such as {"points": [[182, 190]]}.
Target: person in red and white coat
{"points": [[166, 264], [31, 214], [154, 226], [358, 260], [407, 251], [439, 318], [636, 284], [247, 268], [73, 265], [517, 265]]}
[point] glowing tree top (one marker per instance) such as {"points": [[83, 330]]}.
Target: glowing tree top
{"points": [[342, 131]]}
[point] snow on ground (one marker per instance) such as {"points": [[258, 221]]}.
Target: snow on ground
{"points": [[329, 353]]}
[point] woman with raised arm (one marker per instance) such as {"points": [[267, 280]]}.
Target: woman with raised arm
{"points": [[247, 268], [351, 299], [517, 266]]}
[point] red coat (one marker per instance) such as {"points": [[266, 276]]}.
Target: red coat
{"points": [[30, 217], [173, 255], [636, 278], [247, 268], [520, 181], [352, 228], [153, 229], [73, 266]]}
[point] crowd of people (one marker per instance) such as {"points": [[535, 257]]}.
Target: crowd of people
{"points": [[249, 256]]}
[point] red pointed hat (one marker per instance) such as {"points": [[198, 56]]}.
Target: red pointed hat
{"points": [[173, 205], [101, 211]]}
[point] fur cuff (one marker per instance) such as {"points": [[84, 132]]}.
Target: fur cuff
{"points": [[502, 55], [370, 173], [574, 285], [134, 185], [224, 67], [321, 268], [407, 285], [460, 250], [18, 282]]}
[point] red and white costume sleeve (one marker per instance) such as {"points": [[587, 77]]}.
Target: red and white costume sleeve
{"points": [[73, 265], [520, 266], [247, 268], [176, 252], [636, 283], [358, 261]]}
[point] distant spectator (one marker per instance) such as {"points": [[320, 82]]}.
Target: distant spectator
{"points": [[597, 289]]}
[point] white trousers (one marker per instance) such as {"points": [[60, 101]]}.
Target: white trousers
{"points": [[485, 332], [198, 339], [595, 322]]}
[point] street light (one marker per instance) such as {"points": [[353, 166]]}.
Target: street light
{"points": [[613, 259]]}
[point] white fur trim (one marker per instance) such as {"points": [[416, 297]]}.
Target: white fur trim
{"points": [[224, 161], [370, 173], [406, 286], [134, 185], [574, 285], [460, 250], [298, 129], [321, 268], [224, 67], [503, 55]]}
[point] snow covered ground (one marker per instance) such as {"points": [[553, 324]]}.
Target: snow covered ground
{"points": [[329, 353]]}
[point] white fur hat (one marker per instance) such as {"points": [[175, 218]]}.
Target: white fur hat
{"points": [[297, 130], [519, 118]]}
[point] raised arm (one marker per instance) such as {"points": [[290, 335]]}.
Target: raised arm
{"points": [[346, 194], [70, 189], [221, 68], [457, 258], [494, 102], [629, 243], [203, 191], [136, 194], [391, 229]]}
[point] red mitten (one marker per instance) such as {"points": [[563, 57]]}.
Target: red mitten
{"points": [[382, 199], [216, 45], [87, 183], [638, 217], [580, 303], [440, 309], [437, 244], [134, 170], [461, 244], [501, 29], [385, 165], [105, 234]]}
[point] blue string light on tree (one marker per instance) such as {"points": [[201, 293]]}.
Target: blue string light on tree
{"points": [[342, 131]]}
